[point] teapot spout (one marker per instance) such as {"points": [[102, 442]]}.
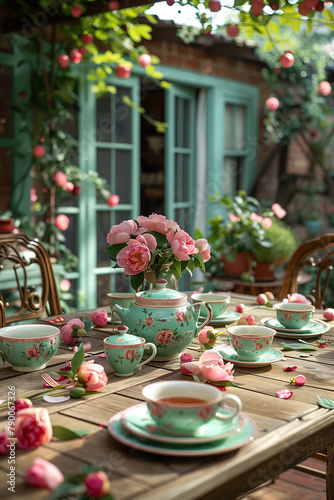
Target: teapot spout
{"points": [[122, 312]]}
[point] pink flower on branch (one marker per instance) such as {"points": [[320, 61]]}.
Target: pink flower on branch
{"points": [[278, 210]]}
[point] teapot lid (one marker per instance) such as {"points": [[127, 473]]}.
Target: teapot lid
{"points": [[122, 338], [161, 296]]}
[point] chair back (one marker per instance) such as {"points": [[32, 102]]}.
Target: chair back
{"points": [[317, 253], [28, 288]]}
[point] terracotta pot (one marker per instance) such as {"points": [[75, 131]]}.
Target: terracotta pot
{"points": [[242, 263], [7, 226], [264, 271]]}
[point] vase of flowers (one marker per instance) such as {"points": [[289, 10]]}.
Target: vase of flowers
{"points": [[150, 248]]}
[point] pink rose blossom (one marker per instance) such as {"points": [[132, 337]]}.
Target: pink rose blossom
{"points": [[278, 210], [210, 366], [97, 484], [59, 178], [329, 314], [298, 380], [44, 474], [234, 218], [186, 357], [272, 103], [284, 394], [158, 223], [182, 244], [22, 403], [240, 308], [4, 442], [325, 88], [67, 330], [33, 428], [69, 187], [148, 240], [134, 258], [298, 298], [266, 222], [204, 248], [99, 318], [120, 233], [62, 222], [92, 376]]}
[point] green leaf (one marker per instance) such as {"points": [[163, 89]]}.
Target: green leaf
{"points": [[326, 403], [72, 486], [113, 250], [298, 347], [65, 434], [137, 280], [77, 359]]}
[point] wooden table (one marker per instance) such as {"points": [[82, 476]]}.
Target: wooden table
{"points": [[288, 430]]}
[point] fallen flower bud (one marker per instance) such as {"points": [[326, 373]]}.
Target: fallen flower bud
{"points": [[283, 394], [240, 308], [299, 380], [262, 299], [321, 344], [329, 314], [44, 474], [186, 357]]}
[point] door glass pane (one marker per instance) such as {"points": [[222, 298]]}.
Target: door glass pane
{"points": [[123, 117], [102, 229], [103, 288], [240, 128], [186, 124], [103, 119], [233, 169], [123, 176], [178, 113], [228, 127], [182, 217]]}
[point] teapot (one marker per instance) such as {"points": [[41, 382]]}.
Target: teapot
{"points": [[164, 317]]}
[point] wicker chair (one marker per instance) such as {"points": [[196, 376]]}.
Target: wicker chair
{"points": [[25, 261], [317, 253]]}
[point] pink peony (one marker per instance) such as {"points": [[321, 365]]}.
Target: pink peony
{"points": [[92, 376], [44, 474], [148, 240], [325, 88], [278, 210], [120, 233], [298, 298], [204, 248], [67, 330], [158, 223], [99, 318], [62, 222], [4, 442], [22, 403], [272, 103], [33, 428], [97, 484], [210, 366], [60, 179], [134, 258], [182, 244]]}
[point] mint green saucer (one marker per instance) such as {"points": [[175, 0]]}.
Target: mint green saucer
{"points": [[225, 318], [315, 327], [138, 421], [229, 354], [230, 443]]}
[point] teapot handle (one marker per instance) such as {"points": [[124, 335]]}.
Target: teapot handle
{"points": [[208, 318]]}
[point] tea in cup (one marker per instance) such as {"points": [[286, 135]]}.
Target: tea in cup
{"points": [[250, 341], [28, 347], [293, 315], [180, 408], [217, 301], [124, 352]]}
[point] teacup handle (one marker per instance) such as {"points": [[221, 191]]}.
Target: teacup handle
{"points": [[226, 399], [154, 349]]}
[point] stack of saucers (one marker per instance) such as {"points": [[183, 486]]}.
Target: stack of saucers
{"points": [[294, 320], [219, 304], [171, 423]]}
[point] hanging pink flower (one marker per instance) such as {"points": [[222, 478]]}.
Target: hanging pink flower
{"points": [[158, 223], [272, 103], [64, 285], [182, 244], [234, 218], [278, 210], [62, 222], [256, 217], [33, 195], [325, 88], [284, 394], [134, 258], [266, 222], [59, 178]]}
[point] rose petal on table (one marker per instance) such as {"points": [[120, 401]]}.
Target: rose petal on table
{"points": [[290, 368], [284, 394], [101, 355]]}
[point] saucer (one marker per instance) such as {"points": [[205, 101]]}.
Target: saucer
{"points": [[224, 319], [317, 328], [138, 421], [230, 443], [229, 354]]}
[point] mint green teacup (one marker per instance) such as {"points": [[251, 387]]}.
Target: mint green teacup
{"points": [[124, 352], [28, 347], [217, 301], [250, 341], [294, 315], [180, 408]]}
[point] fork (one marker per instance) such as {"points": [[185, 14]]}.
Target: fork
{"points": [[49, 380]]}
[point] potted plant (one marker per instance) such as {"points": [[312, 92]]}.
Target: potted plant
{"points": [[283, 245], [242, 231]]}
